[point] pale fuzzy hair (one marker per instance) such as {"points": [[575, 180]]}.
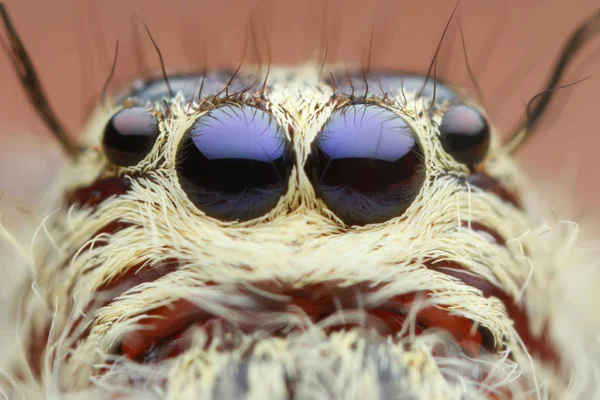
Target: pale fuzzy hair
{"points": [[299, 242]]}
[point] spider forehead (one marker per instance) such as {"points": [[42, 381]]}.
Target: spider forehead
{"points": [[351, 83], [369, 133]]}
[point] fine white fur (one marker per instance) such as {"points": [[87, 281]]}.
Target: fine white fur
{"points": [[299, 242]]}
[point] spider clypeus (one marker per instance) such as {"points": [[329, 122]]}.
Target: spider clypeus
{"points": [[298, 232]]}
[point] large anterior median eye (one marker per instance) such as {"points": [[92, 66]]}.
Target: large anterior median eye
{"points": [[233, 163], [366, 165]]}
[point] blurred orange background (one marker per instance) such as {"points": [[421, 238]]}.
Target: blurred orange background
{"points": [[511, 46]]}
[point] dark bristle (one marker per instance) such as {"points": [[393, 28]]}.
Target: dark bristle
{"points": [[433, 63], [324, 40], [204, 69], [349, 78], [538, 105], [269, 54], [110, 75], [469, 70], [323, 61], [531, 110], [236, 72], [140, 56], [333, 84], [365, 69], [162, 62], [482, 59], [30, 81]]}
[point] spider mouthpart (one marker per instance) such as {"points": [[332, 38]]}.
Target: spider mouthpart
{"points": [[465, 134], [129, 136], [168, 331]]}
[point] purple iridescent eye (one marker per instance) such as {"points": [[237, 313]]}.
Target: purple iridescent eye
{"points": [[366, 165], [233, 163]]}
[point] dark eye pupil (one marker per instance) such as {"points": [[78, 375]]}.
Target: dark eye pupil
{"points": [[129, 136], [465, 134], [232, 163], [366, 165]]}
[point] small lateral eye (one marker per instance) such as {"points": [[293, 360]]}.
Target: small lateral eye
{"points": [[129, 136], [233, 163], [465, 134], [366, 165]]}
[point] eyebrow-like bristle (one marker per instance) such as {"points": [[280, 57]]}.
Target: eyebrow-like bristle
{"points": [[110, 75], [162, 62], [476, 85], [433, 64]]}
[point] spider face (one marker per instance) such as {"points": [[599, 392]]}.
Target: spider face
{"points": [[299, 237], [365, 162]]}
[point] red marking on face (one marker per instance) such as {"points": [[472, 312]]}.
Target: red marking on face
{"points": [[321, 301], [98, 191], [539, 346], [163, 333], [107, 292], [476, 226], [107, 230], [492, 185]]}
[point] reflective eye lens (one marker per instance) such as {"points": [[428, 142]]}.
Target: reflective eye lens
{"points": [[233, 163], [465, 134], [366, 165], [129, 136]]}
